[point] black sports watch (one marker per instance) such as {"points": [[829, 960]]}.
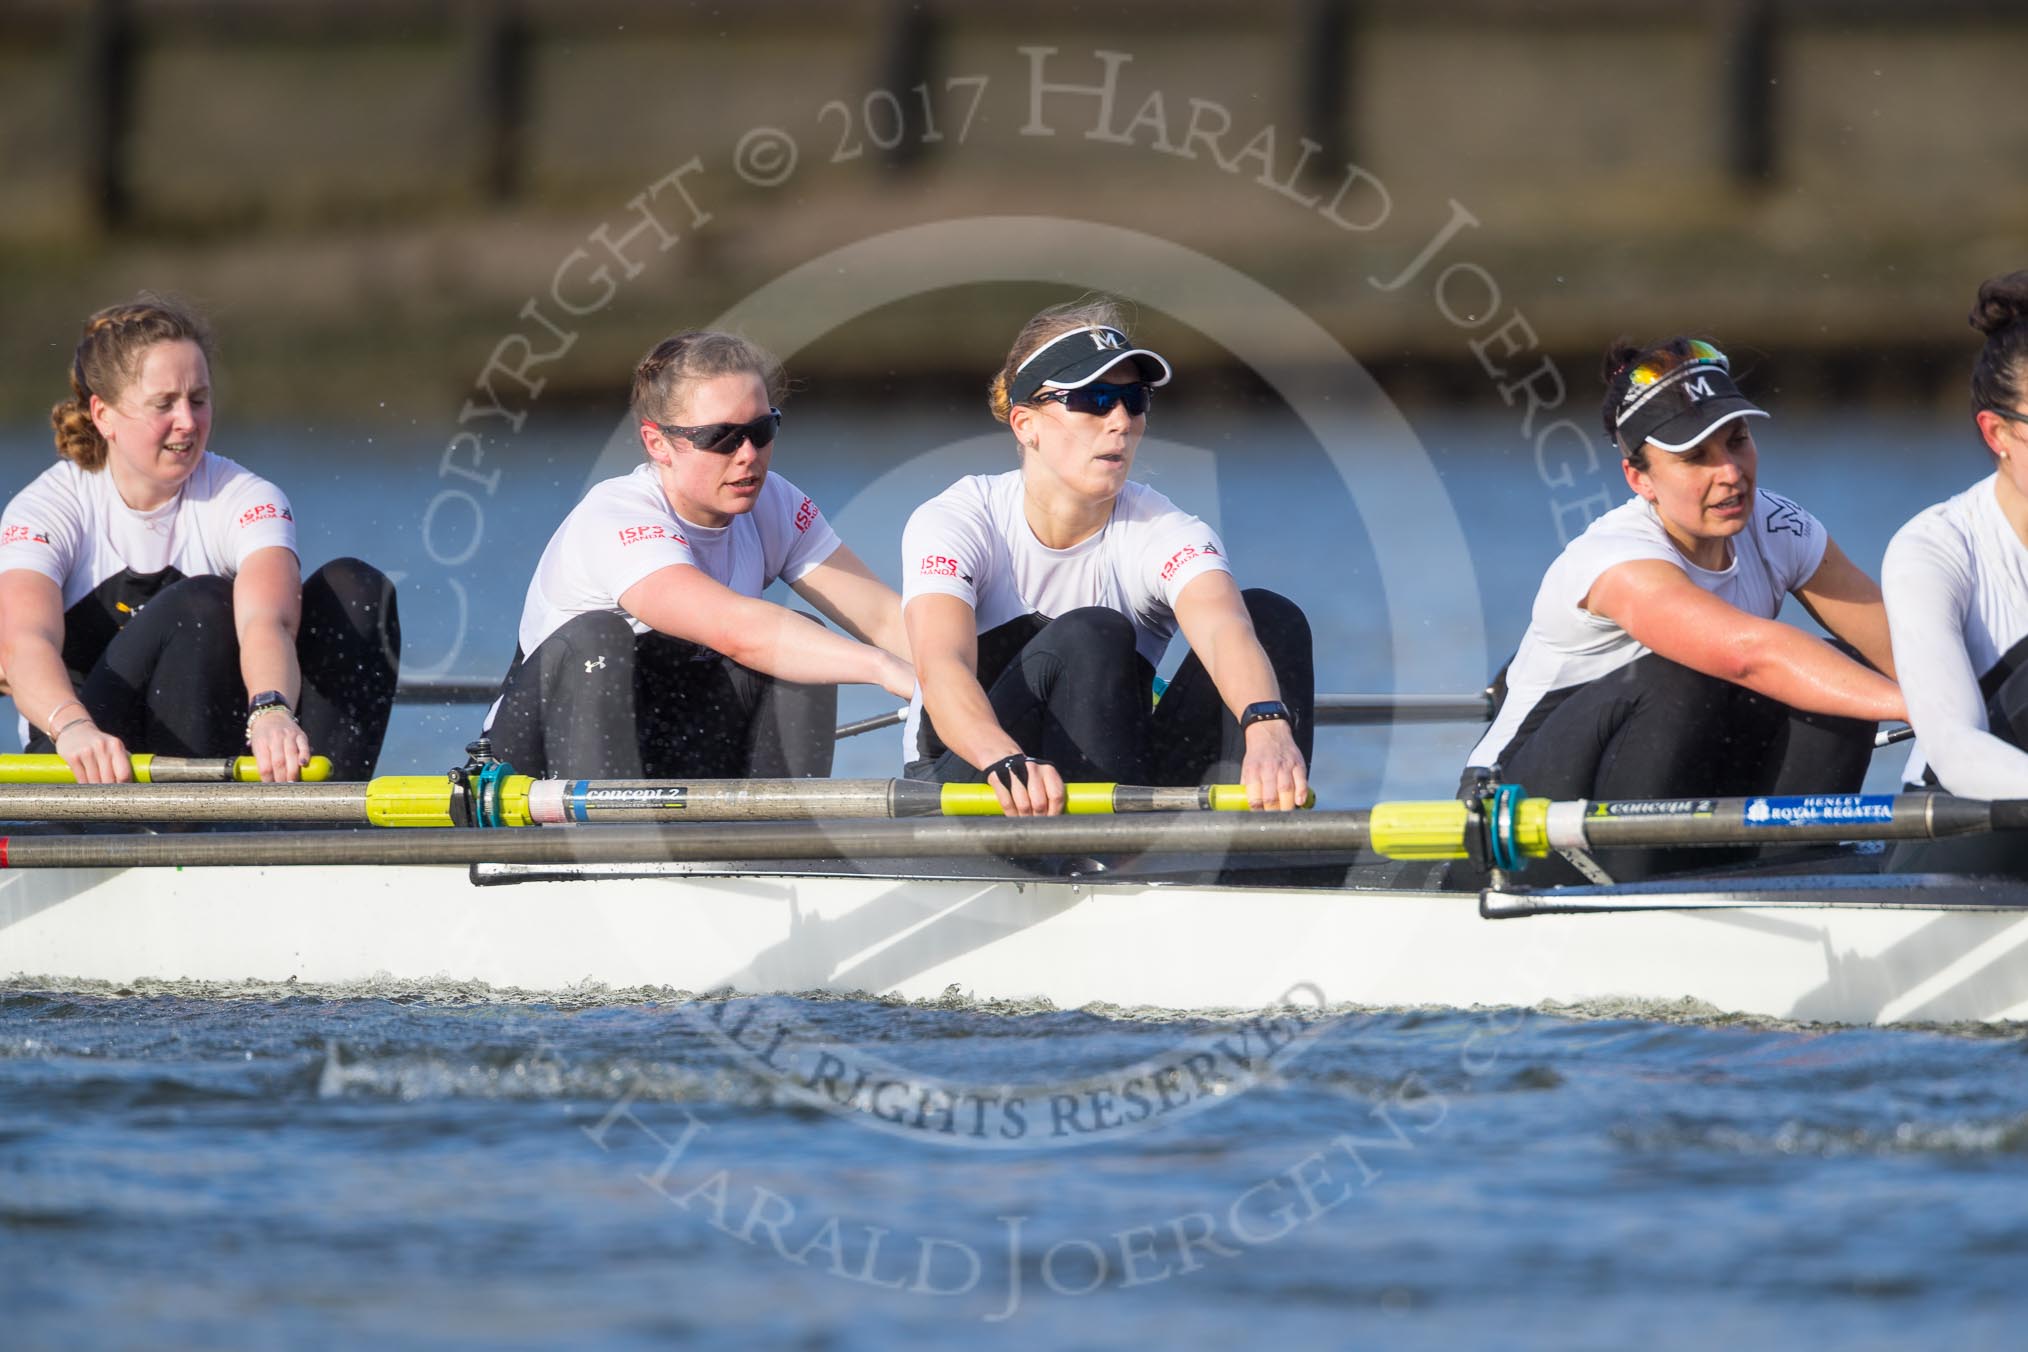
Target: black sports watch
{"points": [[1263, 711], [268, 699]]}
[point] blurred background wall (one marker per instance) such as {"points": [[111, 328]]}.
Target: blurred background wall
{"points": [[365, 194]]}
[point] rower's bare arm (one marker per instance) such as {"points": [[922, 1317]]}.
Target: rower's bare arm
{"points": [[1841, 597], [845, 590], [267, 611], [31, 649], [1214, 620], [683, 602], [1928, 598], [943, 635], [1675, 617]]}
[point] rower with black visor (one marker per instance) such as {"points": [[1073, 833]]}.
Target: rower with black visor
{"points": [[1039, 603], [1653, 665], [645, 649]]}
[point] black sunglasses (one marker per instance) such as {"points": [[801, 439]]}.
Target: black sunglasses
{"points": [[2009, 414], [1098, 399], [724, 438]]}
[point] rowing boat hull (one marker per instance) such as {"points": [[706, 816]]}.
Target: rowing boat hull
{"points": [[1190, 947]]}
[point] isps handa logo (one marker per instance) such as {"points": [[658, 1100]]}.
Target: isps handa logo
{"points": [[1209, 549], [633, 535]]}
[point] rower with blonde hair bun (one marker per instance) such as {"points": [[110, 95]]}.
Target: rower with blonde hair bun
{"points": [[1039, 602], [645, 647]]}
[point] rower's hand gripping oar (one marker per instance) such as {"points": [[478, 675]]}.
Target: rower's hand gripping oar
{"points": [[485, 792]]}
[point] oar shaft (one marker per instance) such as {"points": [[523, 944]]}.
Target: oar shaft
{"points": [[427, 801], [340, 803], [1206, 833], [1438, 830]]}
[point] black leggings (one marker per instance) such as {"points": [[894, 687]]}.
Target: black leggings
{"points": [[2002, 853], [596, 701], [1077, 694], [1657, 729], [169, 682]]}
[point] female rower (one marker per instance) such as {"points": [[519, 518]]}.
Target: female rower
{"points": [[1956, 578], [150, 594], [645, 648], [1040, 600], [1653, 666]]}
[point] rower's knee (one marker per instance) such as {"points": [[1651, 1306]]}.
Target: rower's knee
{"points": [[1273, 613], [1682, 688], [596, 635], [199, 602], [1093, 629], [350, 579]]}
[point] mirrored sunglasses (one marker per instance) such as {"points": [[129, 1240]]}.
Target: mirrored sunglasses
{"points": [[1098, 398], [1651, 371], [724, 438]]}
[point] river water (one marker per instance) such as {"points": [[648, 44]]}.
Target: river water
{"points": [[431, 1167], [440, 1165]]}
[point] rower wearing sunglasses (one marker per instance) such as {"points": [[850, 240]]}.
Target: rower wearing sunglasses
{"points": [[645, 649], [1653, 666], [1039, 602]]}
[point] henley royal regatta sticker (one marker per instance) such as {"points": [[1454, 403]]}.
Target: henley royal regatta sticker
{"points": [[1820, 809]]}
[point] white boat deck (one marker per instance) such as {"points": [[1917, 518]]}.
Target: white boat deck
{"points": [[1879, 958]]}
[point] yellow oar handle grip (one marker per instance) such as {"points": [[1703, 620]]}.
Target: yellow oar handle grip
{"points": [[246, 770], [1232, 798], [979, 800], [43, 768]]}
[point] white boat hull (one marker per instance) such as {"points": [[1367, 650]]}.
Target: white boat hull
{"points": [[1190, 947]]}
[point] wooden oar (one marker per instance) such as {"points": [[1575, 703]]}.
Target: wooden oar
{"points": [[518, 800], [151, 769]]}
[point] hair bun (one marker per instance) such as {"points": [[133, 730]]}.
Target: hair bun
{"points": [[2002, 301], [1619, 355]]}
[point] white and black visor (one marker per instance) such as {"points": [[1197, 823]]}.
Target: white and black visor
{"points": [[1073, 360], [1686, 406]]}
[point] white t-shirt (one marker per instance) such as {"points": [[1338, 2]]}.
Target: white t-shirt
{"points": [[972, 541], [1956, 581], [70, 526], [1567, 646], [625, 529]]}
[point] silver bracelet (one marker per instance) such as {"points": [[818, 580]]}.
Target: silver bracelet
{"points": [[262, 712], [81, 718]]}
